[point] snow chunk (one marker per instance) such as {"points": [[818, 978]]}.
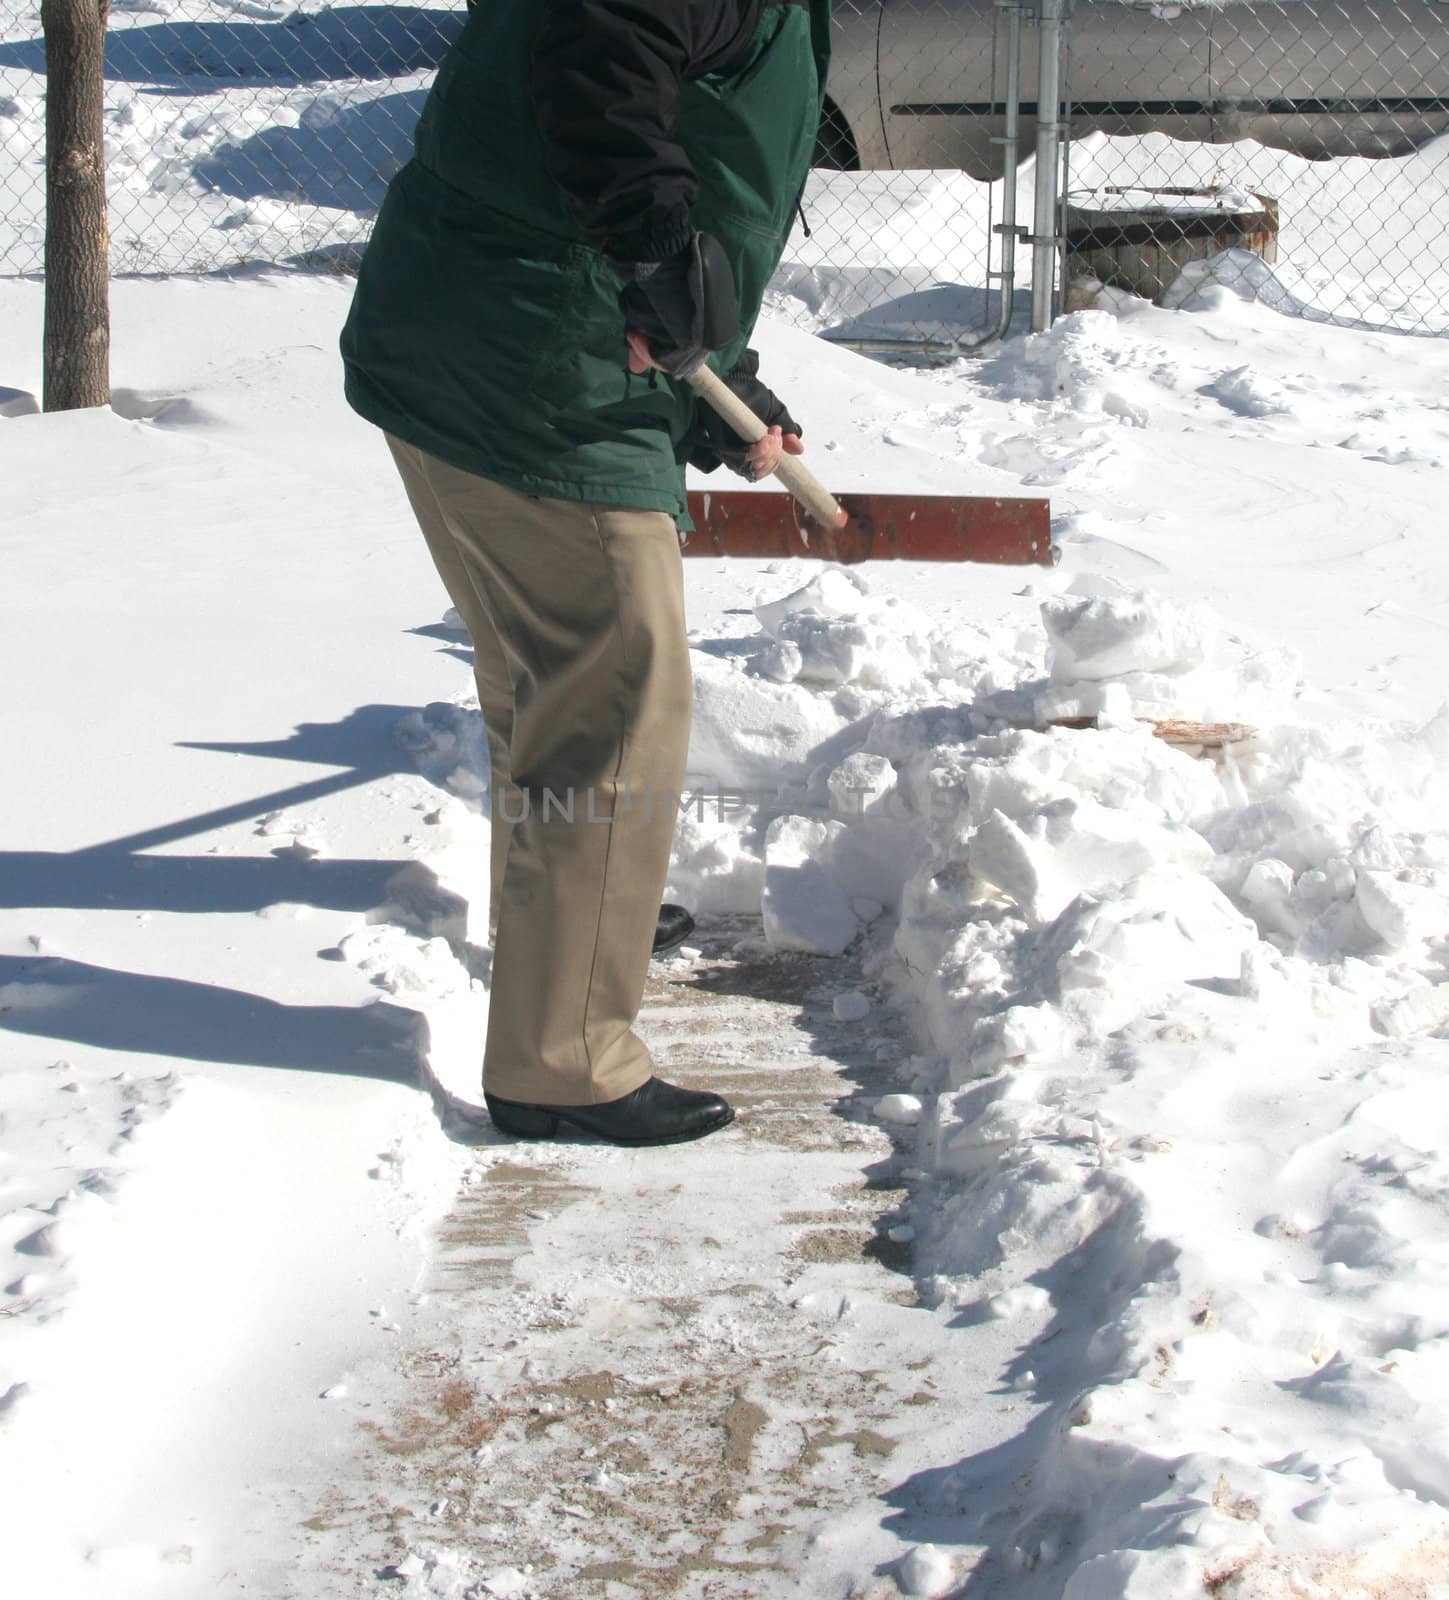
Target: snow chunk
{"points": [[927, 1571], [1099, 637], [832, 631], [1402, 907], [901, 1110], [862, 785], [440, 1573], [804, 906], [1027, 1299], [1116, 958], [716, 869], [1071, 847], [1248, 393], [836, 592], [852, 1006], [750, 732]]}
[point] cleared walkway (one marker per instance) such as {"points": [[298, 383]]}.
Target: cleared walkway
{"points": [[679, 1372]]}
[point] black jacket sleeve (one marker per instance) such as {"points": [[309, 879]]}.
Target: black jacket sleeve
{"points": [[604, 80]]}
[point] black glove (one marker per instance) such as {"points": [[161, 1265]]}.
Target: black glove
{"points": [[714, 443], [685, 305]]}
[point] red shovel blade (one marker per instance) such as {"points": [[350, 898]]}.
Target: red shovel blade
{"points": [[881, 527]]}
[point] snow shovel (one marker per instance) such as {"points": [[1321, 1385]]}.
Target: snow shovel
{"points": [[861, 527]]}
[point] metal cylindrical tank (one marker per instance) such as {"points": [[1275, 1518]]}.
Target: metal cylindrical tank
{"points": [[1141, 239], [1319, 78]]}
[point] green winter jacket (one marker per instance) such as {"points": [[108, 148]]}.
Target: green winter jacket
{"points": [[486, 328]]}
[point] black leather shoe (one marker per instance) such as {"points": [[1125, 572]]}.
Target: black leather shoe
{"points": [[674, 926], [655, 1113]]}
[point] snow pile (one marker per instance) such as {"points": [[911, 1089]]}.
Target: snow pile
{"points": [[233, 133], [903, 254], [833, 631], [1120, 657], [1341, 855], [1215, 281], [817, 790], [1186, 1124], [829, 652], [1086, 366]]}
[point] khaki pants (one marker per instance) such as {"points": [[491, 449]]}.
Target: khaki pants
{"points": [[577, 618]]}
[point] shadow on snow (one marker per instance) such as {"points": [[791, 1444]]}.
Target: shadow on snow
{"points": [[60, 998], [343, 157], [346, 42]]}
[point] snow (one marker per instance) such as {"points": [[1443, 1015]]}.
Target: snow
{"points": [[240, 1169], [1171, 1096], [927, 1571], [1169, 998], [1148, 978], [901, 1109], [852, 1006]]}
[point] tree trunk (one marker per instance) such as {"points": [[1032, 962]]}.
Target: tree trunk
{"points": [[77, 241]]}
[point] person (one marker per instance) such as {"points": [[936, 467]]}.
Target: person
{"points": [[598, 195]]}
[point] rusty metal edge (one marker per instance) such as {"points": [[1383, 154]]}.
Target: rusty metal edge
{"points": [[763, 526]]}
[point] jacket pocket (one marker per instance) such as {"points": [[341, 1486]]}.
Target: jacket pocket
{"points": [[554, 375]]}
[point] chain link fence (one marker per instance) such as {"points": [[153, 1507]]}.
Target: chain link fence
{"points": [[246, 131], [1311, 133], [236, 130]]}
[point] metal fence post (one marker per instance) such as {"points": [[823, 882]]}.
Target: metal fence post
{"points": [[1010, 143], [1045, 241]]}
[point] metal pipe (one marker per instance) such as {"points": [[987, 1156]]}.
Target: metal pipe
{"points": [[1064, 192], [986, 332], [927, 349], [1008, 228], [1044, 242], [1010, 152], [1010, 144]]}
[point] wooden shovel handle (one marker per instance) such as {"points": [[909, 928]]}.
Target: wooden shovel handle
{"points": [[798, 479]]}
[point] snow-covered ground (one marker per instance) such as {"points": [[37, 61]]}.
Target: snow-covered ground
{"points": [[1175, 1103], [1169, 1117]]}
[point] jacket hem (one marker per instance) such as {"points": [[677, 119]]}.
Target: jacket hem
{"points": [[617, 496]]}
